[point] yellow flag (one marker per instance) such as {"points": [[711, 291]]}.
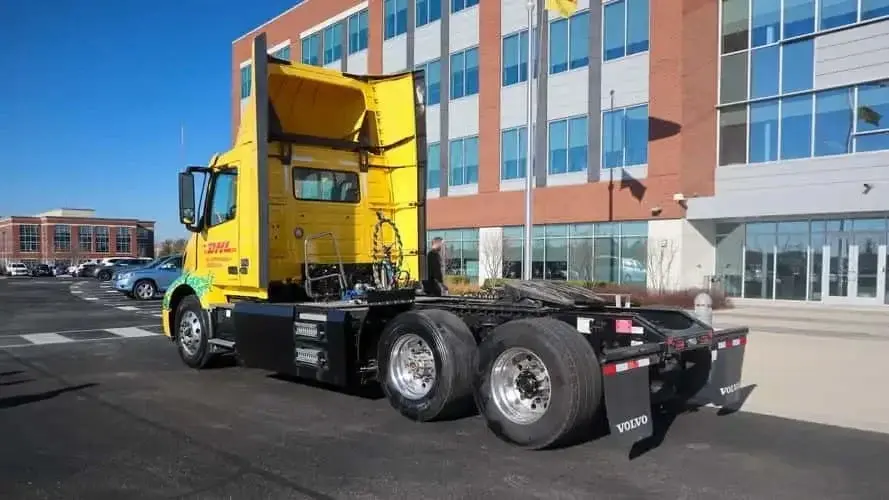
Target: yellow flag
{"points": [[563, 7]]}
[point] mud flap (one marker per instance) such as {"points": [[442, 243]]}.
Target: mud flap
{"points": [[727, 361], [628, 399]]}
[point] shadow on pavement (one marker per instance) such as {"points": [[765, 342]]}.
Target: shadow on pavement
{"points": [[665, 415], [9, 374], [17, 382], [13, 401]]}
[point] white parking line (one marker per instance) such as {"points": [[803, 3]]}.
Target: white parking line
{"points": [[127, 308], [91, 298], [76, 291], [131, 331], [46, 338]]}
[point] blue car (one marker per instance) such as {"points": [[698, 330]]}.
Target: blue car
{"points": [[151, 281]]}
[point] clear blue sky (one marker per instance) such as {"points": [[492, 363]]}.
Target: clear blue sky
{"points": [[94, 92]]}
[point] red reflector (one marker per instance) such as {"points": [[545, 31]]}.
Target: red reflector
{"points": [[623, 326]]}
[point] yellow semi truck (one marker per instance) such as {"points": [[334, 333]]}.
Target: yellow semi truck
{"points": [[306, 258]]}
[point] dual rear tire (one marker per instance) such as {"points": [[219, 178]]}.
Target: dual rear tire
{"points": [[536, 382]]}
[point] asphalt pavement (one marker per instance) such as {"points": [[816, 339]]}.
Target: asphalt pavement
{"points": [[121, 417]]}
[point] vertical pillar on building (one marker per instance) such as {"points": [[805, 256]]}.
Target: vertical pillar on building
{"points": [[444, 136]]}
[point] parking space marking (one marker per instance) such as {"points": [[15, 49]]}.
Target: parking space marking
{"points": [[91, 298], [127, 308], [130, 331], [46, 338]]}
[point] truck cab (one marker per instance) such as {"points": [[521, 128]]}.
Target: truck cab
{"points": [[303, 206]]}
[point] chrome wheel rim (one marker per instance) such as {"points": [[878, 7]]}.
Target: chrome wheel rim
{"points": [[190, 332], [412, 366], [145, 291], [520, 385]]}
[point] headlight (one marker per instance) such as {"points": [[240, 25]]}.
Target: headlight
{"points": [[126, 276]]}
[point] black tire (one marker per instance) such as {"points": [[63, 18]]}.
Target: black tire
{"points": [[149, 284], [575, 380], [104, 276], [454, 353], [202, 354]]}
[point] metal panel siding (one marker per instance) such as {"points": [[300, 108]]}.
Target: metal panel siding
{"points": [[567, 94], [514, 105], [463, 117], [433, 123], [357, 63], [427, 42], [411, 28], [800, 187], [594, 96], [463, 28], [514, 16], [445, 89], [395, 54], [628, 78], [853, 55]]}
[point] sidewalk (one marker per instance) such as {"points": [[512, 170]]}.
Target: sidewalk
{"points": [[807, 319]]}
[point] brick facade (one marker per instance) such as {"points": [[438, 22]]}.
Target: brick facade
{"points": [[18, 247]]}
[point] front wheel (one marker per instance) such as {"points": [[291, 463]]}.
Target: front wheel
{"points": [[192, 333], [144, 290], [539, 383]]}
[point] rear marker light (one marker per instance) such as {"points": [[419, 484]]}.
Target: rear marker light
{"points": [[736, 342]]}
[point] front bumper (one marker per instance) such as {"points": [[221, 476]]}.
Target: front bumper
{"points": [[124, 285]]}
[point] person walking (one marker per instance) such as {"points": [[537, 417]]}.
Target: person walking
{"points": [[434, 283]]}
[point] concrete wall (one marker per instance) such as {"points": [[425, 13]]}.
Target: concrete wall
{"points": [[681, 254]]}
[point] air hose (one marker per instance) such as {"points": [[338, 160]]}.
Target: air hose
{"points": [[383, 254]]}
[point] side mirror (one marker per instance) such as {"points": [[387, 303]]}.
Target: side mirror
{"points": [[186, 200]]}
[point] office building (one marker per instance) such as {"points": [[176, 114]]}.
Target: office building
{"points": [[733, 143], [69, 236]]}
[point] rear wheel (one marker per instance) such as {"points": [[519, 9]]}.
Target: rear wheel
{"points": [[192, 333], [539, 383], [104, 275], [426, 359]]}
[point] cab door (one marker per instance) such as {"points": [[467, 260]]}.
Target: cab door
{"points": [[220, 241]]}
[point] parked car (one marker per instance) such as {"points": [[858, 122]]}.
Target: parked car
{"points": [[39, 270], [109, 267], [17, 269], [85, 270], [148, 282]]}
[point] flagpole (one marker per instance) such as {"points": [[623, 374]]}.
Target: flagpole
{"points": [[529, 151]]}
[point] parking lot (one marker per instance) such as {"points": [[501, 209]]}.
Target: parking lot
{"points": [[94, 403]]}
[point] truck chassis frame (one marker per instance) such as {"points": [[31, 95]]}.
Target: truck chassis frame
{"points": [[542, 362]]}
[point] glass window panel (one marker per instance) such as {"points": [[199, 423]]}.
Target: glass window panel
{"points": [[759, 260], [733, 135], [764, 72], [558, 154], [421, 9], [581, 230], [471, 60], [537, 255], [455, 163], [580, 259], [833, 122], [637, 135], [556, 254], [433, 83], [637, 26], [606, 260], [836, 13], [633, 229], [457, 76], [796, 127], [729, 255], [555, 230], [634, 261], [874, 8], [509, 162], [470, 160], [798, 64], [579, 44], [615, 34], [558, 46], [433, 166], [799, 17], [612, 139], [763, 131], [735, 21], [577, 144], [510, 60], [766, 22], [872, 142], [733, 80], [523, 151], [792, 259], [873, 106]]}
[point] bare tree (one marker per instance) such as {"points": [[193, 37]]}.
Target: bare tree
{"points": [[661, 258], [492, 255]]}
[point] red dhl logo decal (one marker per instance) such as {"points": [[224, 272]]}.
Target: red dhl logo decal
{"points": [[218, 247]]}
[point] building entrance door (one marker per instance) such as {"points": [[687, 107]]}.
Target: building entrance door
{"points": [[854, 270]]}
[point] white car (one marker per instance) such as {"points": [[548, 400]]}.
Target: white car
{"points": [[17, 269]]}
